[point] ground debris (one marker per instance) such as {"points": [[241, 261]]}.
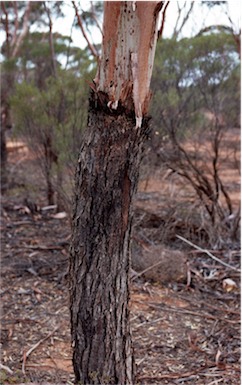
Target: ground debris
{"points": [[185, 332]]}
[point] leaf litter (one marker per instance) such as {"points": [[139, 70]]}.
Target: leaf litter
{"points": [[186, 333]]}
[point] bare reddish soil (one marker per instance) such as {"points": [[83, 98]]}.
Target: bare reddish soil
{"points": [[183, 333]]}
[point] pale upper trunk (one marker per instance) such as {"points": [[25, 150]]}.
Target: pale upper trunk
{"points": [[125, 68]]}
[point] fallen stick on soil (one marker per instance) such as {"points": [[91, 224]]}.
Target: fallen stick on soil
{"points": [[184, 311], [215, 382], [173, 375], [27, 354], [208, 253], [144, 271], [6, 368], [149, 322], [42, 247]]}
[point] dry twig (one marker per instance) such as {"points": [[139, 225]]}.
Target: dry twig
{"points": [[194, 313], [6, 368], [42, 247], [172, 375], [144, 271], [208, 253], [27, 354]]}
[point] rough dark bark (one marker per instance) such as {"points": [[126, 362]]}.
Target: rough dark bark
{"points": [[50, 158], [106, 180]]}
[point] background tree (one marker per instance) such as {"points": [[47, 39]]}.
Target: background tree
{"points": [[106, 180], [89, 19], [50, 120], [17, 18], [16, 22], [184, 11], [231, 28], [196, 100], [47, 102]]}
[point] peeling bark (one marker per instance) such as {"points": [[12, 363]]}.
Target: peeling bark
{"points": [[130, 35]]}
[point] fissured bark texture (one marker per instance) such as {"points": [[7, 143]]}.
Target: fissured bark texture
{"points": [[106, 180]]}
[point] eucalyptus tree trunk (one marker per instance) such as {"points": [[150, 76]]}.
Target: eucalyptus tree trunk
{"points": [[5, 124], [106, 180]]}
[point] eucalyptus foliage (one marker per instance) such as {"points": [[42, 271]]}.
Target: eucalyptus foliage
{"points": [[196, 100], [58, 110], [192, 75]]}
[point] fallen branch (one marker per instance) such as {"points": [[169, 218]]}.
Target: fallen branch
{"points": [[179, 375], [208, 253], [27, 354], [173, 375], [194, 313]]}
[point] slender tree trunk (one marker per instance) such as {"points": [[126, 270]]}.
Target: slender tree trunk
{"points": [[50, 159], [6, 124], [106, 180], [60, 197], [4, 157]]}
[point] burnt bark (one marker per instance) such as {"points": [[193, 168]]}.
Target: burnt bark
{"points": [[50, 158], [106, 180]]}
